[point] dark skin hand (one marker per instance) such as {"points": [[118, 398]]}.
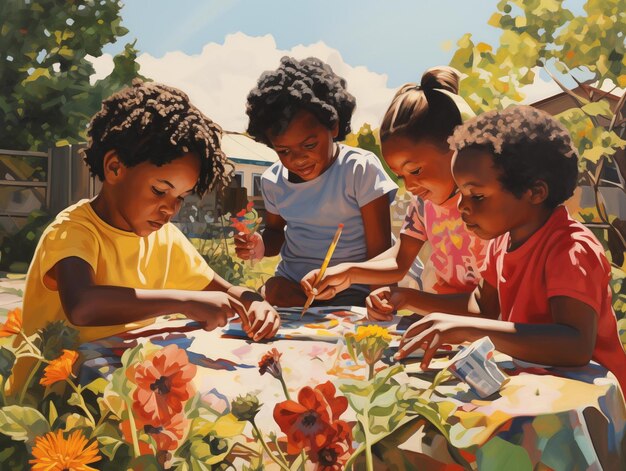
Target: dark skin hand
{"points": [[568, 341], [89, 304]]}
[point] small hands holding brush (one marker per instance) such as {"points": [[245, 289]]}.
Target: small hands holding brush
{"points": [[311, 290]]}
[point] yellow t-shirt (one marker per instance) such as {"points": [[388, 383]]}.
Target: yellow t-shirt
{"points": [[163, 260]]}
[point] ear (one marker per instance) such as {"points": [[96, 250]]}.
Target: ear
{"points": [[335, 130], [538, 192], [113, 167]]}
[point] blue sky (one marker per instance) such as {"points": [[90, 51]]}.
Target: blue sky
{"points": [[400, 38]]}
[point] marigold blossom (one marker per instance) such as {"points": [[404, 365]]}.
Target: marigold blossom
{"points": [[59, 369], [53, 452]]}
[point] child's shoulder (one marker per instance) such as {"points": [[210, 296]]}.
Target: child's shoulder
{"points": [[78, 213]]}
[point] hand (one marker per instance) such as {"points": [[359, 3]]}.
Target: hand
{"points": [[264, 320], [336, 279], [214, 308], [249, 246], [383, 302], [432, 331]]}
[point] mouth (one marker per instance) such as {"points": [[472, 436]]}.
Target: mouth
{"points": [[421, 193], [470, 226], [305, 171], [156, 225]]}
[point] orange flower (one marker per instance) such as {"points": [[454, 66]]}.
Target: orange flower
{"points": [[270, 363], [59, 369], [52, 452], [13, 325], [163, 385], [308, 422]]}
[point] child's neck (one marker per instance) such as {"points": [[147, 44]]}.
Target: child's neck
{"points": [[523, 232]]}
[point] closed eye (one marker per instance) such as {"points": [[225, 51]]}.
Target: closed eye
{"points": [[310, 146], [282, 152], [157, 192], [417, 171], [478, 197]]}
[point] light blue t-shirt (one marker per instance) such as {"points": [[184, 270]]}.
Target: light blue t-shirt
{"points": [[313, 210]]}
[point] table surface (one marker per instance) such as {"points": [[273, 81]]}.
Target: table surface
{"points": [[565, 418]]}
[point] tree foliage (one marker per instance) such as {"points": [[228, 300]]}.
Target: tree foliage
{"points": [[45, 71], [543, 35]]}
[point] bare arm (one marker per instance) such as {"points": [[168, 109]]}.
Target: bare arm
{"points": [[568, 341], [88, 304], [273, 234], [377, 224]]}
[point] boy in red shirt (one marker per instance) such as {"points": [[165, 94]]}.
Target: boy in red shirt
{"points": [[545, 295]]}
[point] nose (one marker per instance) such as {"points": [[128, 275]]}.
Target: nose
{"points": [[170, 207], [463, 205]]}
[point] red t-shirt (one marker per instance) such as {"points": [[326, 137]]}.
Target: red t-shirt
{"points": [[563, 258]]}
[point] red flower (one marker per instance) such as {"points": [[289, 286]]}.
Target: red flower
{"points": [[308, 422], [335, 452], [163, 385], [270, 363]]}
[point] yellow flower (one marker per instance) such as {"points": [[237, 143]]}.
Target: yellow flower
{"points": [[372, 331], [13, 325], [59, 369], [52, 452]]}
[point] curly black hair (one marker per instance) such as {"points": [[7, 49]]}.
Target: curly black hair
{"points": [[527, 145], [150, 122], [309, 84]]}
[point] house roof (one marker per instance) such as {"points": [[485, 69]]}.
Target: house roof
{"points": [[583, 90], [243, 150]]}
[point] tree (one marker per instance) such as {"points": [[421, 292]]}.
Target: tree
{"points": [[543, 34], [45, 69]]}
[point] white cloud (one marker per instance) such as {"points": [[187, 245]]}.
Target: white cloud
{"points": [[219, 78]]}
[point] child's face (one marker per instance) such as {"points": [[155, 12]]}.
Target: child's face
{"points": [[423, 166], [488, 209], [306, 147], [147, 196]]}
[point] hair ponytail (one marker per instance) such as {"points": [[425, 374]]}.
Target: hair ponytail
{"points": [[422, 111]]}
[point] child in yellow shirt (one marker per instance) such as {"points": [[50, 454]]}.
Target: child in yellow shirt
{"points": [[115, 262]]}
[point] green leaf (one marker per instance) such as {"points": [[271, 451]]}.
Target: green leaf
{"points": [[498, 454], [596, 108], [7, 360], [109, 445], [52, 413], [23, 423]]}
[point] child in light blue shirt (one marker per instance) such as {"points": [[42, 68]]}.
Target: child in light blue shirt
{"points": [[301, 110]]}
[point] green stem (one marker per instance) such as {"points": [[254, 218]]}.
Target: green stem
{"points": [[29, 380], [285, 390], [371, 371], [354, 456], [2, 396], [282, 455], [133, 427], [82, 404], [266, 448]]}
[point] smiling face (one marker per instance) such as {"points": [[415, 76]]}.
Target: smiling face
{"points": [[488, 209], [423, 166], [145, 197], [306, 147]]}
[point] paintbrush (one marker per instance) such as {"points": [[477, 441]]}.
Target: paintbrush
{"points": [[320, 274]]}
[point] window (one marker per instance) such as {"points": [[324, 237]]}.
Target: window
{"points": [[238, 179], [256, 184]]}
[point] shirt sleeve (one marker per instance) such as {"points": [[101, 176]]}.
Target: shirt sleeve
{"points": [[269, 198], [188, 270], [488, 270], [577, 271], [64, 241], [413, 225], [370, 181]]}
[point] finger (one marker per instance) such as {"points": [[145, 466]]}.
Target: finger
{"points": [[328, 293], [242, 253], [414, 329], [308, 280], [265, 328], [379, 316], [408, 346], [430, 351], [380, 303], [240, 310], [276, 326]]}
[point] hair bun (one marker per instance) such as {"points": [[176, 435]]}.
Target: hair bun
{"points": [[442, 77]]}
